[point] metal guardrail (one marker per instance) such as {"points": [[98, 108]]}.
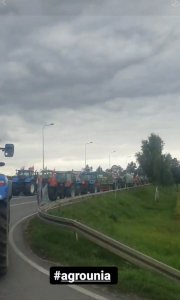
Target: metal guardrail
{"points": [[122, 250], [81, 198]]}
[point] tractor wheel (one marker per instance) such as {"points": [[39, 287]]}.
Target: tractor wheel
{"points": [[67, 192], [84, 191], [4, 225], [92, 189], [61, 195], [52, 193], [30, 189], [78, 192]]}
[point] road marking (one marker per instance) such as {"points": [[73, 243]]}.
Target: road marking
{"points": [[23, 203], [21, 197], [41, 269]]}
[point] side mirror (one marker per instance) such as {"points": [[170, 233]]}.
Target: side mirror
{"points": [[9, 150], [2, 164]]}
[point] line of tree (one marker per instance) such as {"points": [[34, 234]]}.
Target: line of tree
{"points": [[161, 169]]}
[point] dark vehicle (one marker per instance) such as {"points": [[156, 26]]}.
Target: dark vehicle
{"points": [[25, 181], [106, 181], [94, 182], [44, 176], [89, 182], [63, 184], [5, 196], [120, 182]]}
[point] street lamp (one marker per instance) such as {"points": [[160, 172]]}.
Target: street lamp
{"points": [[43, 127], [110, 157], [85, 151]]}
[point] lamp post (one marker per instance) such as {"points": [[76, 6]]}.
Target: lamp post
{"points": [[110, 157], [43, 127], [85, 151]]}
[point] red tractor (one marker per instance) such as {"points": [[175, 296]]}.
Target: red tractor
{"points": [[62, 184]]}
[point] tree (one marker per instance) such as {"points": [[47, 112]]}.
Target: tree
{"points": [[150, 157], [175, 168], [166, 170], [140, 171], [99, 170], [88, 168], [115, 169], [160, 168], [131, 168]]}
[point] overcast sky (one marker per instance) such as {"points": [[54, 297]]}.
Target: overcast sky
{"points": [[101, 71]]}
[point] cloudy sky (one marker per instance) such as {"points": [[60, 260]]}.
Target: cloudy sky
{"points": [[101, 71]]}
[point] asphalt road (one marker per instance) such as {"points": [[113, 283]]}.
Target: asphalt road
{"points": [[28, 275]]}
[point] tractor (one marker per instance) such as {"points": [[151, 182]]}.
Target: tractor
{"points": [[106, 181], [63, 184], [25, 181], [5, 196], [89, 182]]}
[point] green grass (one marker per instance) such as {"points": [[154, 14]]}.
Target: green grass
{"points": [[134, 218], [177, 211]]}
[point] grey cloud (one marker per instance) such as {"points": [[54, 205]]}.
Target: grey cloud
{"points": [[48, 70], [93, 7], [107, 79]]}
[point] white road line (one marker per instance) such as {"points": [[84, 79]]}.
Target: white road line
{"points": [[41, 269], [23, 203], [21, 197]]}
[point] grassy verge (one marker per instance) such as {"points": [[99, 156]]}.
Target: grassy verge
{"points": [[135, 219], [177, 211], [132, 217]]}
